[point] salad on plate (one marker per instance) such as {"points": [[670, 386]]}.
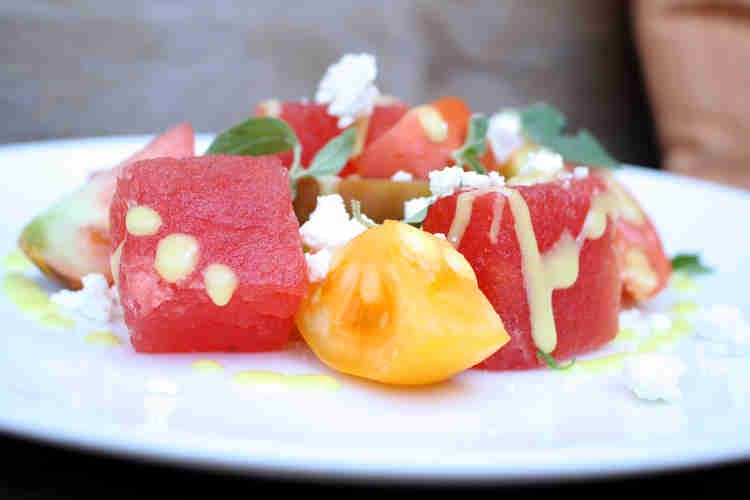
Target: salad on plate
{"points": [[403, 244]]}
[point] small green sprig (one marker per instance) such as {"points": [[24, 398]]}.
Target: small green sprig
{"points": [[690, 264], [474, 146], [331, 158], [544, 125], [356, 207], [552, 363]]}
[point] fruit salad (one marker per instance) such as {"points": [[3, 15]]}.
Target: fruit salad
{"points": [[403, 243]]}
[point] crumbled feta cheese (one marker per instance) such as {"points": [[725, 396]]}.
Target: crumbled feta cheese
{"points": [[328, 227], [654, 376], [318, 264], [724, 326], [505, 134], [415, 205], [580, 172], [446, 181], [348, 88], [402, 176], [541, 163], [329, 224], [440, 235], [92, 304]]}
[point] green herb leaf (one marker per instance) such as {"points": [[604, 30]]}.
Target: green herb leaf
{"points": [[418, 217], [544, 125], [474, 146], [333, 156], [257, 136], [689, 263], [357, 214], [552, 363]]}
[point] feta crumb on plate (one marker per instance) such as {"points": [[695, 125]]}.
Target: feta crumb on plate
{"points": [[94, 303], [402, 176], [724, 326], [505, 134], [348, 88], [413, 206], [654, 376]]}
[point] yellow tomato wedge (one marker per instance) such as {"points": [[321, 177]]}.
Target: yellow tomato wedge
{"points": [[400, 306]]}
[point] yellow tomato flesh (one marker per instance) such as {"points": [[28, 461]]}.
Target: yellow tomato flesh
{"points": [[400, 306]]}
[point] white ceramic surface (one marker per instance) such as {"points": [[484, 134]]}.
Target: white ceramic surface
{"points": [[479, 427]]}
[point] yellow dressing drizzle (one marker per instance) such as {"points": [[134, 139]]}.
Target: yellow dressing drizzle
{"points": [[559, 267], [268, 378], [206, 365], [31, 300], [106, 339], [539, 294], [464, 205], [497, 217]]}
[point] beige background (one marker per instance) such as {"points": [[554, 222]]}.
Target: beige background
{"points": [[78, 68]]}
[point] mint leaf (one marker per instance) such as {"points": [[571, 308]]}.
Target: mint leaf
{"points": [[689, 264], [330, 160], [544, 125], [333, 156], [418, 217], [474, 146], [552, 363], [257, 136]]}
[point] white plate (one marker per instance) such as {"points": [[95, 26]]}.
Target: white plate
{"points": [[479, 426]]}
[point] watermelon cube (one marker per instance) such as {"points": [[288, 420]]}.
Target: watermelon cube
{"points": [[484, 227], [206, 254]]}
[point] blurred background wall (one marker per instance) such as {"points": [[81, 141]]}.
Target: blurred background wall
{"points": [[82, 68]]}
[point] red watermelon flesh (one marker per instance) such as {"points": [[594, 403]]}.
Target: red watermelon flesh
{"points": [[239, 211], [407, 146], [585, 313], [384, 116], [311, 122], [71, 238], [315, 127]]}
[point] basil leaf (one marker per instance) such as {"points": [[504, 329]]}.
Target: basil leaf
{"points": [[689, 264], [474, 146], [552, 363], [257, 136], [333, 156], [544, 125]]}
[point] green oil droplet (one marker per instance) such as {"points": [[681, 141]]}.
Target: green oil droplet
{"points": [[273, 379], [684, 307], [31, 300], [106, 339], [206, 365], [602, 364], [682, 283], [626, 335], [16, 261]]}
